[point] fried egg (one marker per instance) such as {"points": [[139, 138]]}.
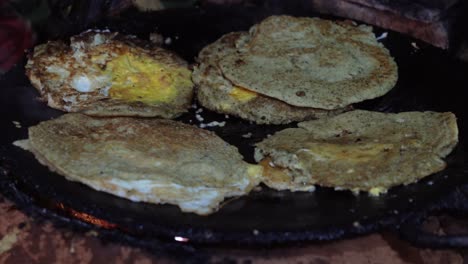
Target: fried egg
{"points": [[151, 160], [359, 151], [216, 92], [310, 62], [287, 69], [108, 74]]}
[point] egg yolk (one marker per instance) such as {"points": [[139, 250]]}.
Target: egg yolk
{"points": [[276, 174], [242, 94], [140, 78]]}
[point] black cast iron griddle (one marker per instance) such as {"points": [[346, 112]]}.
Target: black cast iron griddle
{"points": [[428, 80]]}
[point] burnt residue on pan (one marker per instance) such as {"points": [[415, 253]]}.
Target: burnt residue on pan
{"points": [[429, 79]]}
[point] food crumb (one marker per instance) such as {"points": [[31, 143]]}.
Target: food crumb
{"points": [[382, 36], [213, 124], [356, 224], [248, 135], [17, 124], [199, 117], [415, 45], [255, 232]]}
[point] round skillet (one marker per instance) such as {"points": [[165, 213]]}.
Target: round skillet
{"points": [[429, 79]]}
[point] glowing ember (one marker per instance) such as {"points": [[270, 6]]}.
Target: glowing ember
{"points": [[87, 217], [181, 239]]}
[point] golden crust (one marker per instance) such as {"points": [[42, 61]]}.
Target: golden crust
{"points": [[279, 178], [54, 66]]}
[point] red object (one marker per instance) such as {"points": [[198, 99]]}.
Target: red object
{"points": [[15, 37]]}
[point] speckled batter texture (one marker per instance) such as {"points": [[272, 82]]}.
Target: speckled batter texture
{"points": [[215, 91], [311, 62], [151, 160], [361, 150]]}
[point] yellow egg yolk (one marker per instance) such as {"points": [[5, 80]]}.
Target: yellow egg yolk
{"points": [[140, 78], [242, 94], [276, 173]]}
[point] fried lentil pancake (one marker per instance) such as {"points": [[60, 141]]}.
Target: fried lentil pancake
{"points": [[311, 62], [359, 150], [151, 160], [109, 74], [217, 93]]}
